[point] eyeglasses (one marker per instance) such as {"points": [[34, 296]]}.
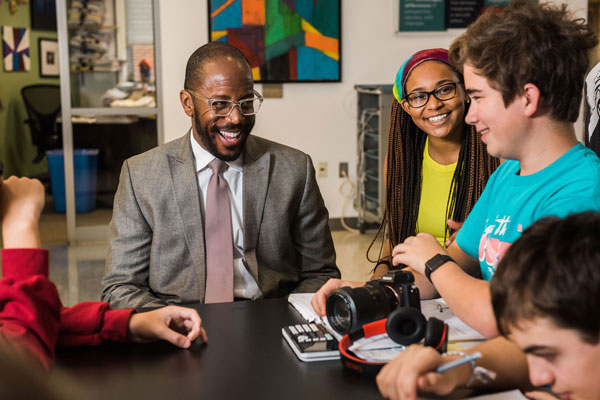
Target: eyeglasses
{"points": [[222, 108], [444, 92]]}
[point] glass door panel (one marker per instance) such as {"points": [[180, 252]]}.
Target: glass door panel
{"points": [[111, 55]]}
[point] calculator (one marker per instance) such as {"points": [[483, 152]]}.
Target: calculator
{"points": [[311, 342]]}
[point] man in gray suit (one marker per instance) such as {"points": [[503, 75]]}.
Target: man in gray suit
{"points": [[279, 224]]}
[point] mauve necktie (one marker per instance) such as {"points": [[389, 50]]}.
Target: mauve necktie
{"points": [[218, 237]]}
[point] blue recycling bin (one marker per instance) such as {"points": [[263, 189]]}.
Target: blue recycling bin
{"points": [[85, 165]]}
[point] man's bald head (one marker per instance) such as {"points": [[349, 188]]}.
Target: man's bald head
{"points": [[212, 51]]}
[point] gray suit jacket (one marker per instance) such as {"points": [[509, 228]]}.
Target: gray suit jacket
{"points": [[156, 253]]}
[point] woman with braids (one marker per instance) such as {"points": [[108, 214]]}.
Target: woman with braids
{"points": [[436, 166]]}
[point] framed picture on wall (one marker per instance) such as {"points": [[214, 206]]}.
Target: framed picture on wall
{"points": [[43, 14], [284, 40], [48, 49], [15, 48]]}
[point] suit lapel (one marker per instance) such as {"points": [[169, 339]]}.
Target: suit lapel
{"points": [[256, 183], [187, 197]]}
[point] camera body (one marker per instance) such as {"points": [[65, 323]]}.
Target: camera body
{"points": [[349, 309]]}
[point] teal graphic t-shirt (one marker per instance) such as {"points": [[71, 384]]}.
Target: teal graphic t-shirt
{"points": [[510, 203]]}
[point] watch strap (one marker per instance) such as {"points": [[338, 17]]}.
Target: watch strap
{"points": [[435, 262]]}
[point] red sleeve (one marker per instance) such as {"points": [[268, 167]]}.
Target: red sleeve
{"points": [[29, 304], [32, 319], [24, 263], [92, 323]]}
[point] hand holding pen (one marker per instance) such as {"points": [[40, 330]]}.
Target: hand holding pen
{"points": [[416, 370], [466, 358]]}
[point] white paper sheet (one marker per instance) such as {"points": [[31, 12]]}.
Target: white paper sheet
{"points": [[510, 395], [378, 348], [459, 331], [301, 302]]}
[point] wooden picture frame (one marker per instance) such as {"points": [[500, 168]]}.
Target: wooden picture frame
{"points": [[48, 57]]}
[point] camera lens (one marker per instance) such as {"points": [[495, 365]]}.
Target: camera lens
{"points": [[341, 314], [349, 309]]}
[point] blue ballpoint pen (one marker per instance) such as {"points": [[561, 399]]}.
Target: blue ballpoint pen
{"points": [[458, 362]]}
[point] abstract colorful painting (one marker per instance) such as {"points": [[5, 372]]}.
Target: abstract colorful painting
{"points": [[15, 48], [284, 40]]}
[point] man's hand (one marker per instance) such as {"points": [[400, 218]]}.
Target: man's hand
{"points": [[411, 372], [319, 300], [21, 203], [178, 325], [415, 251], [456, 226]]}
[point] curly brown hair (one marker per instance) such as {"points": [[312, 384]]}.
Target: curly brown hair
{"points": [[534, 43], [552, 272]]}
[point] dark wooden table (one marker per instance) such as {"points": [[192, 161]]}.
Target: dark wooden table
{"points": [[245, 358]]}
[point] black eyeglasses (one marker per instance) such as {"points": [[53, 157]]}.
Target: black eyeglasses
{"points": [[444, 92]]}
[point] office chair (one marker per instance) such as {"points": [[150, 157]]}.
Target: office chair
{"points": [[43, 105]]}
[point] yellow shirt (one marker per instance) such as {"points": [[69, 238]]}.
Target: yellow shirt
{"points": [[435, 187]]}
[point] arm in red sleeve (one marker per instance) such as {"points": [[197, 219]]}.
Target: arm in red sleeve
{"points": [[29, 304], [92, 323], [32, 319]]}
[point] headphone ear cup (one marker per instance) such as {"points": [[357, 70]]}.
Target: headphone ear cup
{"points": [[435, 333], [406, 326]]}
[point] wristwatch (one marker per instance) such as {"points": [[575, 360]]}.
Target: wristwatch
{"points": [[435, 262]]}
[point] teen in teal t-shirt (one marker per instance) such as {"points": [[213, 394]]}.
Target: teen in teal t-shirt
{"points": [[510, 203]]}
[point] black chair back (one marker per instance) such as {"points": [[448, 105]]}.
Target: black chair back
{"points": [[42, 103]]}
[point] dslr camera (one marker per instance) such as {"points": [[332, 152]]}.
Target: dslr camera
{"points": [[349, 309]]}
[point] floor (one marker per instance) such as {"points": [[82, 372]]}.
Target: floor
{"points": [[53, 225], [78, 270]]}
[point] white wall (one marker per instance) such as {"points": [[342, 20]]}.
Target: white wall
{"points": [[318, 118]]}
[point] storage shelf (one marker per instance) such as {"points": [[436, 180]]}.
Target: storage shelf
{"points": [[372, 153], [92, 28], [114, 111], [374, 103], [372, 177]]}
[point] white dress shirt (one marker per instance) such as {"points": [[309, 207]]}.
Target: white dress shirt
{"points": [[244, 285]]}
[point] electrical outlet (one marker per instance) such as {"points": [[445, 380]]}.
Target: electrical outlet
{"points": [[322, 170], [343, 169]]}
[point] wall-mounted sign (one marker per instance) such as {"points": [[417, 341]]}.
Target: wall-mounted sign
{"points": [[439, 15], [496, 3], [461, 13], [422, 15]]}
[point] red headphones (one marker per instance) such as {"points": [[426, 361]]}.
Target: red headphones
{"points": [[405, 326]]}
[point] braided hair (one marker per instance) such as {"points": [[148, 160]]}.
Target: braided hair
{"points": [[403, 178]]}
